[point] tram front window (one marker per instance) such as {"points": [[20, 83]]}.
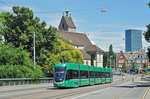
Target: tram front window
{"points": [[60, 74]]}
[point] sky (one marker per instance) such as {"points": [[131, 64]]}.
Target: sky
{"points": [[102, 28]]}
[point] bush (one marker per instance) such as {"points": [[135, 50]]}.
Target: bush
{"points": [[16, 63]]}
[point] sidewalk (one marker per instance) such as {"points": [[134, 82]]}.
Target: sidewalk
{"points": [[24, 87]]}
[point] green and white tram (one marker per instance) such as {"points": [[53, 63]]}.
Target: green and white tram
{"points": [[75, 75]]}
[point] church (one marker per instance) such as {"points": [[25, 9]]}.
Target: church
{"points": [[80, 41]]}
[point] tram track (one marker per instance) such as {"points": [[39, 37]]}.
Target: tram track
{"points": [[123, 93], [145, 93], [54, 93], [84, 91]]}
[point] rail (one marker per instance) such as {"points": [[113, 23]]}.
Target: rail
{"points": [[23, 81]]}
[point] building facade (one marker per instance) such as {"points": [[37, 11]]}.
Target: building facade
{"points": [[120, 60], [133, 40], [139, 58], [80, 41]]}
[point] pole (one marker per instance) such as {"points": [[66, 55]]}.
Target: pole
{"points": [[34, 46]]}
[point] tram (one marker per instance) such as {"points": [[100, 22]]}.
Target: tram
{"points": [[76, 75]]}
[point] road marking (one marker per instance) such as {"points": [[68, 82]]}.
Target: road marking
{"points": [[122, 93], [145, 93], [90, 93]]}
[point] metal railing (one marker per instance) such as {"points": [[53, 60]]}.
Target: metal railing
{"points": [[23, 81]]}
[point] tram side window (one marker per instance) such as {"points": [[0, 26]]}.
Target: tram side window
{"points": [[72, 74], [68, 75], [103, 74], [97, 75], [84, 74], [91, 74], [107, 75]]}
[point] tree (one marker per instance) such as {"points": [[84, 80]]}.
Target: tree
{"points": [[123, 67], [105, 60], [112, 56], [147, 36], [134, 64], [18, 29], [16, 63], [145, 65], [148, 4], [93, 57], [111, 50], [63, 52]]}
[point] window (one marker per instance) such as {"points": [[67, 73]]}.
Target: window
{"points": [[91, 74], [107, 75], [84, 74], [98, 74], [103, 74], [87, 62], [72, 74]]}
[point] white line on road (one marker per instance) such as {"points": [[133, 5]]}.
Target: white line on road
{"points": [[90, 93]]}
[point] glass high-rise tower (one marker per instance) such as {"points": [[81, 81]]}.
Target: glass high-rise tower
{"points": [[133, 40]]}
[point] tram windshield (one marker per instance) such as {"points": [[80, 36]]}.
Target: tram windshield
{"points": [[60, 74]]}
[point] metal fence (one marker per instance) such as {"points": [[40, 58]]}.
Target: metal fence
{"points": [[23, 81]]}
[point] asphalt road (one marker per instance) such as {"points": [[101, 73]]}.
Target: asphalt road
{"points": [[119, 89]]}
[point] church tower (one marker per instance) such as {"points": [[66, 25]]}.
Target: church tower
{"points": [[66, 23]]}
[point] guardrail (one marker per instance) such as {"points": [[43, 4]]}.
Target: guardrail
{"points": [[23, 81]]}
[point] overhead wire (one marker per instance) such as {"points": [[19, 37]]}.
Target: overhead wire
{"points": [[77, 10]]}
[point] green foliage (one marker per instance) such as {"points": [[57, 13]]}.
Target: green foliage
{"points": [[148, 53], [111, 57], [18, 29], [124, 69], [93, 56], [134, 64], [15, 63], [111, 50], [147, 34], [145, 66], [105, 60], [148, 4], [147, 38], [63, 52]]}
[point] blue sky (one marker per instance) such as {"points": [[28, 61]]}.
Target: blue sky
{"points": [[104, 28]]}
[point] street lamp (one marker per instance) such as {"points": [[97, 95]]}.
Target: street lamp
{"points": [[103, 10]]}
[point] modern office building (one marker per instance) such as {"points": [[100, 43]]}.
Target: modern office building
{"points": [[133, 40]]}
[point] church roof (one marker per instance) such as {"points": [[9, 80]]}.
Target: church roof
{"points": [[69, 22], [76, 38], [86, 56], [93, 48], [80, 39]]}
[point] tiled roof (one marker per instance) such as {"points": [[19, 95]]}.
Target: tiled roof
{"points": [[69, 22], [76, 38], [86, 56], [92, 48]]}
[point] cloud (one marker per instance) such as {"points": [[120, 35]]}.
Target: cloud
{"points": [[6, 8], [52, 19], [143, 28], [103, 39]]}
